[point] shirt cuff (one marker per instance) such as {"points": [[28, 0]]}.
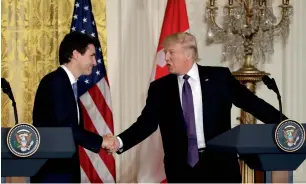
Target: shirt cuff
{"points": [[120, 143]]}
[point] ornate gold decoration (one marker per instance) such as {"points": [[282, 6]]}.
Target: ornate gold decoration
{"points": [[31, 31], [249, 27], [247, 34]]}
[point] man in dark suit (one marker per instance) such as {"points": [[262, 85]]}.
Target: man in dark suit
{"points": [[192, 105], [57, 105]]}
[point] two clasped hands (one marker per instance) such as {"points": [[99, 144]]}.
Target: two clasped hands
{"points": [[110, 143]]}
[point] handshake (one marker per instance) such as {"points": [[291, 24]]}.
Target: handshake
{"points": [[110, 143]]}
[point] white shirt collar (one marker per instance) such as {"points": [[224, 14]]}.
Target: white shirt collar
{"points": [[193, 72], [70, 75]]}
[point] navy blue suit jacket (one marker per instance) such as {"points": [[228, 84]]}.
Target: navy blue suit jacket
{"points": [[163, 108], [55, 106]]}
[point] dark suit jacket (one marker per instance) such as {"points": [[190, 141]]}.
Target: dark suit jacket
{"points": [[55, 106], [163, 108]]}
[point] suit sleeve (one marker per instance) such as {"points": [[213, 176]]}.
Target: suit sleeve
{"points": [[243, 98], [41, 106], [145, 124], [53, 109], [87, 139], [82, 137]]}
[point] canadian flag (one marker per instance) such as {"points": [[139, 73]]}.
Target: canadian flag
{"points": [[151, 165]]}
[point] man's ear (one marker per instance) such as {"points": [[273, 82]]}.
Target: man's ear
{"points": [[189, 55], [75, 54]]}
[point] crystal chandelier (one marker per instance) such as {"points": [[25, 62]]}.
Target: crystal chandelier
{"points": [[248, 30]]}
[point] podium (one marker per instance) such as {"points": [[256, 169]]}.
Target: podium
{"points": [[255, 144], [54, 143]]}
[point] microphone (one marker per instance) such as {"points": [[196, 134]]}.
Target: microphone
{"points": [[6, 88], [271, 84]]}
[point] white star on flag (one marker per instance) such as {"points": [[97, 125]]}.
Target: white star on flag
{"points": [[77, 5], [86, 81], [86, 8], [84, 19], [98, 72]]}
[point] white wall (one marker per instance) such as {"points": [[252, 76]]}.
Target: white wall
{"points": [[133, 31]]}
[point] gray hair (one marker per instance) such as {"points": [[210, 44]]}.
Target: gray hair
{"points": [[187, 40]]}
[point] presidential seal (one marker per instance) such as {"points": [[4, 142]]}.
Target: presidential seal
{"points": [[289, 135], [23, 140]]}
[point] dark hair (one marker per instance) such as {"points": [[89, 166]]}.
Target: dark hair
{"points": [[74, 41]]}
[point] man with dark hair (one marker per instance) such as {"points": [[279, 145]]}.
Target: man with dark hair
{"points": [[57, 105]]}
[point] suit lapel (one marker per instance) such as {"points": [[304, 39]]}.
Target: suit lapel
{"points": [[207, 99], [175, 95], [67, 83], [80, 112], [69, 91]]}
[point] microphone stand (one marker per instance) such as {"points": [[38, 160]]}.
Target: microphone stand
{"points": [[271, 84], [15, 112], [7, 90], [280, 107]]}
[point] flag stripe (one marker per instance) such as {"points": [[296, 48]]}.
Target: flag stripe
{"points": [[86, 165], [109, 160], [105, 90], [101, 105], [99, 165], [84, 178], [95, 117]]}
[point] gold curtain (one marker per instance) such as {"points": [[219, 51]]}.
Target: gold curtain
{"points": [[31, 31]]}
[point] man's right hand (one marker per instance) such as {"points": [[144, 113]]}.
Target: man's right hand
{"points": [[110, 143]]}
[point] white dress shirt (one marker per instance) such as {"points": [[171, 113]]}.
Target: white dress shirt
{"points": [[195, 84], [72, 81]]}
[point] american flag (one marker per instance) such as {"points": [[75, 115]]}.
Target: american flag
{"points": [[95, 100]]}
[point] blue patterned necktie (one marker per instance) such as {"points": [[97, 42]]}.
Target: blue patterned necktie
{"points": [[188, 109], [75, 90]]}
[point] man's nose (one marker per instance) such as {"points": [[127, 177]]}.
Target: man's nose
{"points": [[95, 62], [167, 56]]}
